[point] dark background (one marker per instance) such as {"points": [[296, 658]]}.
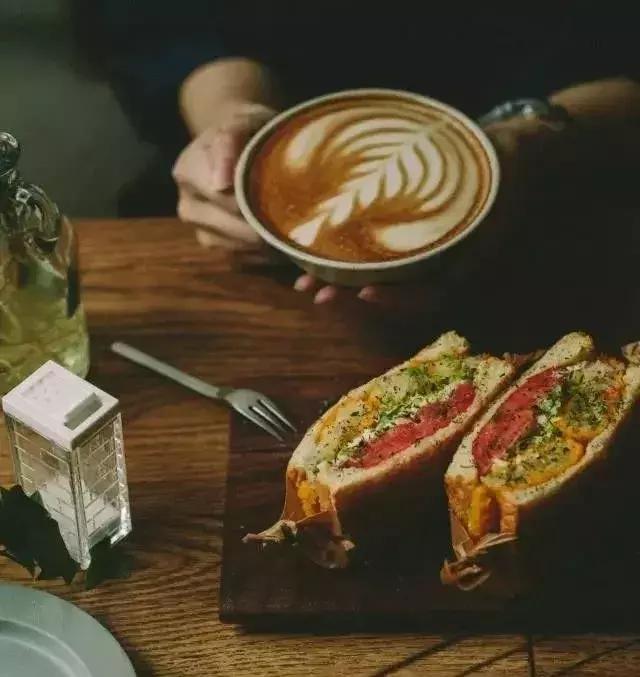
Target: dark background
{"points": [[60, 58], [77, 143]]}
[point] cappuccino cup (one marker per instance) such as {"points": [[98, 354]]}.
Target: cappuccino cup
{"points": [[367, 186]]}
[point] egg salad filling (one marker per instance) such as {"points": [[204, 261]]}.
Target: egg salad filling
{"points": [[353, 424], [576, 410]]}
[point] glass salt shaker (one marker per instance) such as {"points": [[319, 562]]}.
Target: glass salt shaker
{"points": [[66, 443], [41, 316]]}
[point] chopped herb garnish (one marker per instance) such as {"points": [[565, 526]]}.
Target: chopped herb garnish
{"points": [[405, 393], [579, 403]]}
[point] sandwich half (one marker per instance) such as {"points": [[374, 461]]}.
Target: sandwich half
{"points": [[545, 435], [375, 460]]}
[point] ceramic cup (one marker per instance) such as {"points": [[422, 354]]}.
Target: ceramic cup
{"points": [[350, 273]]}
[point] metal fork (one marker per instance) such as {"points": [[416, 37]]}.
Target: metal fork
{"points": [[256, 407]]}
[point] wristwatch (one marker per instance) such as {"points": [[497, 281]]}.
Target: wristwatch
{"points": [[550, 114]]}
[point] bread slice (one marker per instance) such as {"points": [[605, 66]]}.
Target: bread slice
{"points": [[338, 487], [489, 508]]}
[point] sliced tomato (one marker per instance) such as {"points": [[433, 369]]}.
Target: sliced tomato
{"points": [[532, 391], [388, 444], [513, 420], [497, 437], [438, 415], [429, 420]]}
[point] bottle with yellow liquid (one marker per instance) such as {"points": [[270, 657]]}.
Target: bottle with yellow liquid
{"points": [[41, 316]]}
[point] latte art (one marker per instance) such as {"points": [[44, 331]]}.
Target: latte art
{"points": [[370, 178]]}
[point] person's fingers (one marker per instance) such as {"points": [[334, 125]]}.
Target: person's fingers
{"points": [[369, 294], [212, 216], [245, 255], [193, 167], [198, 189], [402, 298], [206, 166], [225, 151], [305, 283], [325, 294], [212, 240], [207, 238], [230, 140], [192, 171]]}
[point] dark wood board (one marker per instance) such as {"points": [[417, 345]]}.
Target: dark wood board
{"points": [[275, 586]]}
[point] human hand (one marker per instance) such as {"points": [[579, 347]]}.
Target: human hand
{"points": [[399, 297], [204, 173]]}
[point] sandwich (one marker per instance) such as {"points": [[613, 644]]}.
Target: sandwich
{"points": [[540, 445], [375, 460]]}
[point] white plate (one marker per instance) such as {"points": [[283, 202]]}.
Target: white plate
{"points": [[43, 636]]}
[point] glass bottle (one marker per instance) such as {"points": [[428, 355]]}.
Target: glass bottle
{"points": [[41, 316]]}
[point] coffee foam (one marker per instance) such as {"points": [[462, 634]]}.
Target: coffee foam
{"points": [[370, 178]]}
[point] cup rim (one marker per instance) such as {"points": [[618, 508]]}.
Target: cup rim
{"points": [[315, 260]]}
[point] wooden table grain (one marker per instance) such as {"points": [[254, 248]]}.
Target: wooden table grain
{"points": [[148, 283]]}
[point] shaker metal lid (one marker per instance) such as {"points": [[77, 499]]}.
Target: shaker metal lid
{"points": [[58, 404]]}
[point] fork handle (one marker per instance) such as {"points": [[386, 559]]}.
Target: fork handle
{"points": [[144, 360]]}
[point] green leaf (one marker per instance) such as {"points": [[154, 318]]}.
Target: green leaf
{"points": [[31, 537], [22, 559], [37, 498], [52, 555], [107, 562], [19, 553]]}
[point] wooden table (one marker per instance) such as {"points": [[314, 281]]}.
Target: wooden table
{"points": [[148, 283]]}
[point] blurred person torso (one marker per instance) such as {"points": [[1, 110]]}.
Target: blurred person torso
{"points": [[470, 55]]}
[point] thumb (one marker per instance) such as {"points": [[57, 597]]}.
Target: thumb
{"points": [[225, 151], [231, 139]]}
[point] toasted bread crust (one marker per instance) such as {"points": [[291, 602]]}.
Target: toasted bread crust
{"points": [[398, 496], [370, 499], [525, 510], [462, 474]]}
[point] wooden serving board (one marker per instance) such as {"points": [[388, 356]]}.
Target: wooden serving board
{"points": [[276, 585]]}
